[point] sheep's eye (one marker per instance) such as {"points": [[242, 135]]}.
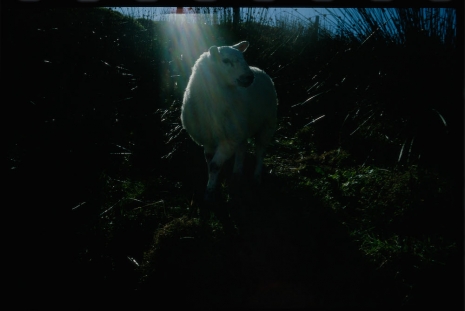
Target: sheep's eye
{"points": [[227, 61]]}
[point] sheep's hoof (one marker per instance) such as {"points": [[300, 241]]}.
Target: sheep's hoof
{"points": [[210, 197], [208, 207], [237, 178], [237, 184]]}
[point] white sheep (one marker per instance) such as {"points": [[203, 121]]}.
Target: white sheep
{"points": [[226, 102]]}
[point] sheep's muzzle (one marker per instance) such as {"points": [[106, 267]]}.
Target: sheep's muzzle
{"points": [[245, 80]]}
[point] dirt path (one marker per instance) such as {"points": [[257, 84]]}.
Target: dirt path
{"points": [[293, 253], [282, 249]]}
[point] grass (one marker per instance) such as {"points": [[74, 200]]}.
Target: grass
{"points": [[356, 209]]}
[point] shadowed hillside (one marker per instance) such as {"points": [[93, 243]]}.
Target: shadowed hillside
{"points": [[357, 207]]}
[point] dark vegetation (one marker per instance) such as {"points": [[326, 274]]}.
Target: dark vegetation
{"points": [[361, 206]]}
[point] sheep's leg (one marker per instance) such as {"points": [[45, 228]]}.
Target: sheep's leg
{"points": [[236, 182], [209, 156], [209, 153], [261, 141], [239, 160], [222, 153], [259, 153]]}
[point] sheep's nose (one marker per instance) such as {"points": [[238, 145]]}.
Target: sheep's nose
{"points": [[246, 80]]}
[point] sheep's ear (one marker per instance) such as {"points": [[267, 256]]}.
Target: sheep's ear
{"points": [[214, 52], [241, 46]]}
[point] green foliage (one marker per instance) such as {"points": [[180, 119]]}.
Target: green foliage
{"points": [[393, 214]]}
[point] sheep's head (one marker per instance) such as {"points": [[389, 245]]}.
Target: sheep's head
{"points": [[230, 64]]}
